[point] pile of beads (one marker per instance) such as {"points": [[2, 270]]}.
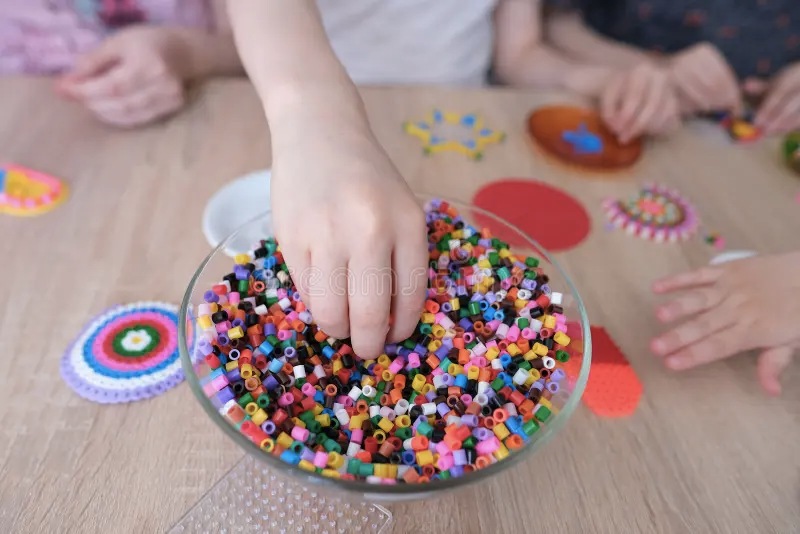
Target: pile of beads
{"points": [[471, 385]]}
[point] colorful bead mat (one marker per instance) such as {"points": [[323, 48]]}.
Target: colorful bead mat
{"points": [[128, 353], [655, 213], [24, 192], [454, 132]]}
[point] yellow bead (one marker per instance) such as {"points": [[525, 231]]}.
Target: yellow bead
{"points": [[424, 458], [548, 321], [305, 465], [427, 388], [473, 372], [561, 338], [213, 307], [437, 331], [368, 381], [434, 345], [325, 419], [242, 259], [380, 436], [385, 424], [530, 355], [236, 332], [391, 471], [384, 361], [501, 453], [428, 318], [259, 417], [402, 421], [251, 408], [298, 422], [492, 353], [546, 403], [418, 382], [230, 366], [455, 369], [204, 322], [455, 304], [246, 371], [330, 473], [285, 440], [504, 253], [501, 431], [484, 263], [519, 304], [513, 349], [539, 349], [356, 421], [335, 460], [317, 409], [337, 366], [267, 445]]}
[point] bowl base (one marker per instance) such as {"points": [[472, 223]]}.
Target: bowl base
{"points": [[251, 498]]}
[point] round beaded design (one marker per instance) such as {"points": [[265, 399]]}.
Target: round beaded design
{"points": [[656, 213], [128, 353], [24, 192]]}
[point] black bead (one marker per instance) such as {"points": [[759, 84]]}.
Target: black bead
{"points": [[486, 411], [347, 361], [471, 455], [442, 391], [395, 458], [238, 387], [415, 412], [219, 316], [378, 458], [261, 300], [508, 319], [536, 312], [260, 252], [549, 343], [512, 368], [437, 435], [472, 387], [250, 267], [251, 320], [424, 368]]}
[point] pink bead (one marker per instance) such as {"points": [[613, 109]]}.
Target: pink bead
{"points": [[480, 361], [223, 300], [321, 460], [413, 360], [469, 337], [283, 335], [308, 390], [356, 435], [300, 434], [527, 333], [445, 462], [292, 316], [487, 446], [282, 293], [513, 333], [442, 448], [396, 365], [223, 327], [233, 298]]}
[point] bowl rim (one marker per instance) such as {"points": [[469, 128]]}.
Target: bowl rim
{"points": [[548, 430]]}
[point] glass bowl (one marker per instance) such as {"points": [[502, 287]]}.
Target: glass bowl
{"points": [[564, 402]]}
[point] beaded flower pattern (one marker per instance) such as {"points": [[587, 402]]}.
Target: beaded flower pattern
{"points": [[24, 192], [126, 354], [454, 132], [656, 213]]}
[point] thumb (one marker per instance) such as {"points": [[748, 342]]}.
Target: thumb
{"points": [[771, 363], [93, 63]]}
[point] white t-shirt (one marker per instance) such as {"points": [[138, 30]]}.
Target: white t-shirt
{"points": [[445, 42]]}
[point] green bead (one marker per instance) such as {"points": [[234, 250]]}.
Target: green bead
{"points": [[412, 373], [463, 312], [246, 399], [470, 442], [444, 475], [498, 384], [297, 447], [445, 364], [286, 344], [525, 365], [380, 389], [299, 382], [424, 329], [409, 343], [474, 308], [271, 301], [543, 413], [530, 427], [244, 285], [366, 470], [273, 340], [413, 396], [334, 423], [474, 239], [353, 466], [306, 417], [472, 344], [424, 429], [530, 275], [314, 426], [503, 273], [494, 258], [377, 419], [403, 433], [332, 446], [532, 262], [562, 356], [263, 401]]}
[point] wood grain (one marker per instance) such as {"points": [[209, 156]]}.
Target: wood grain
{"points": [[705, 452]]}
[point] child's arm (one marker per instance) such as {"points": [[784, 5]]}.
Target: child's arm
{"points": [[743, 305], [567, 33], [632, 101], [349, 227]]}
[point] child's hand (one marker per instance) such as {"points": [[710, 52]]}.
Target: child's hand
{"points": [[704, 80], [351, 231], [132, 78], [739, 306], [639, 101], [780, 112]]}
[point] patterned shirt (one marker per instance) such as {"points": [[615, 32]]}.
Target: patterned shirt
{"points": [[758, 37]]}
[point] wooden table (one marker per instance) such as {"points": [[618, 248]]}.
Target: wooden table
{"points": [[705, 452]]}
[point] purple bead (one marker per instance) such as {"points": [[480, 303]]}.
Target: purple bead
{"points": [[430, 396], [270, 329], [552, 387], [529, 284], [307, 454], [289, 352], [482, 433], [223, 340], [271, 383], [546, 289], [204, 347], [447, 379], [447, 307], [441, 352], [237, 322], [460, 457], [456, 471], [233, 375], [268, 427], [461, 291], [209, 296], [466, 324], [443, 409], [470, 420], [224, 395], [557, 375]]}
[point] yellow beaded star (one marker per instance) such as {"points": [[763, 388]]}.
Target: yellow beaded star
{"points": [[444, 131]]}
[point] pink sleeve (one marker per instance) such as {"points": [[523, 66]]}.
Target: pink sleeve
{"points": [[189, 13]]}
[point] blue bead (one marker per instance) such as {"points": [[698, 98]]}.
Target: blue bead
{"points": [[499, 315], [461, 381], [505, 359], [290, 457], [266, 348], [328, 351], [488, 315], [275, 366], [468, 120]]}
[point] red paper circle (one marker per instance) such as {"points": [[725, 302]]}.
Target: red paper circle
{"points": [[549, 215]]}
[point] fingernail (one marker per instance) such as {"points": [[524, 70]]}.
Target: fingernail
{"points": [[673, 363]]}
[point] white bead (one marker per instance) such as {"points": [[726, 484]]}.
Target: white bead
{"points": [[556, 298]]}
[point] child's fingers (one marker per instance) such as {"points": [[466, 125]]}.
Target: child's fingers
{"points": [[647, 114], [328, 292], [410, 286], [716, 346], [91, 64], [637, 94], [772, 106], [370, 301], [700, 277], [771, 363], [116, 82], [697, 301], [692, 332], [788, 117]]}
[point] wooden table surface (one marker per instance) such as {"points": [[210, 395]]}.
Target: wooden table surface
{"points": [[705, 452]]}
